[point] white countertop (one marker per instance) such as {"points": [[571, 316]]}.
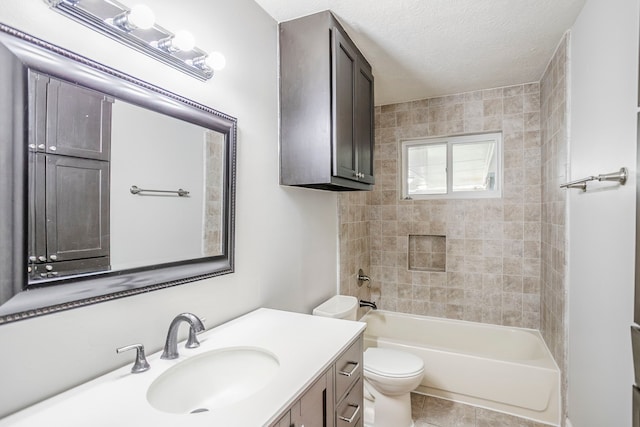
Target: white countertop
{"points": [[304, 345]]}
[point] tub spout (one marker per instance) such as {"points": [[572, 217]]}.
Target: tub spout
{"points": [[371, 304]]}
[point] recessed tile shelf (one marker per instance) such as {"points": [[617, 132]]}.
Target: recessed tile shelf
{"points": [[427, 253]]}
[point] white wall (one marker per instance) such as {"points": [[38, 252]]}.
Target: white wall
{"points": [[153, 151], [286, 239], [603, 87]]}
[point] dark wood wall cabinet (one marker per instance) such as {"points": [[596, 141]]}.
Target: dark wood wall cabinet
{"points": [[69, 142], [326, 107]]}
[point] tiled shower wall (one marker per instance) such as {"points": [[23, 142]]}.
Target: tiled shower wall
{"points": [[554, 137], [492, 245], [355, 252]]}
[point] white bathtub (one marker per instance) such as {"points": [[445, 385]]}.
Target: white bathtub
{"points": [[496, 367]]}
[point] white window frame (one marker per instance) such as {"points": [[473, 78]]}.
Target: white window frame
{"points": [[450, 141]]}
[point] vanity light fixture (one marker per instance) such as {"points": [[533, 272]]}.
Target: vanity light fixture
{"points": [[182, 41], [136, 27], [139, 17]]}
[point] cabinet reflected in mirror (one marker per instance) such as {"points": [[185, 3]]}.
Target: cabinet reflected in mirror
{"points": [[83, 138]]}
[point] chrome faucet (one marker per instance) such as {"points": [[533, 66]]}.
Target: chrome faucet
{"points": [[371, 304], [171, 345]]}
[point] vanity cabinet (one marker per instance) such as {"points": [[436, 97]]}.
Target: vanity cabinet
{"points": [[326, 107], [68, 180], [349, 387], [335, 399], [315, 407]]}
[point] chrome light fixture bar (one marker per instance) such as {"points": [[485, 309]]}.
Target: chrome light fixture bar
{"points": [[136, 28]]}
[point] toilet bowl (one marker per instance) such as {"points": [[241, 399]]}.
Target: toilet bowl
{"points": [[389, 375]]}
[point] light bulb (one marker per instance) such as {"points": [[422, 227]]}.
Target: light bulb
{"points": [[141, 17], [216, 61], [183, 40]]}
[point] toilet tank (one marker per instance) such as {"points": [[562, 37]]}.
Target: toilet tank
{"points": [[339, 307]]}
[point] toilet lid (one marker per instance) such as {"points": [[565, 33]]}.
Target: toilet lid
{"points": [[392, 363]]}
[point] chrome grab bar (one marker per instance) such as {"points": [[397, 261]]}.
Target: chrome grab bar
{"points": [[620, 176], [137, 190]]}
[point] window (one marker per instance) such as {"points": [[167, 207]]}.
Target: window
{"points": [[455, 167]]}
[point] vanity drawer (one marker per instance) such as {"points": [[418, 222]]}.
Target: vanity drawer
{"points": [[348, 368], [349, 412]]}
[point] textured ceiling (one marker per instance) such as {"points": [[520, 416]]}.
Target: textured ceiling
{"points": [[425, 48]]}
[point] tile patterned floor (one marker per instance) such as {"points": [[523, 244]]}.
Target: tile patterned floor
{"points": [[432, 412]]}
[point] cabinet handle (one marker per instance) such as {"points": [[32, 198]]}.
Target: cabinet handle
{"points": [[348, 374], [353, 416]]}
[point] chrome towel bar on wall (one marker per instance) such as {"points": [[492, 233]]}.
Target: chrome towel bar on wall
{"points": [[619, 176], [180, 192]]}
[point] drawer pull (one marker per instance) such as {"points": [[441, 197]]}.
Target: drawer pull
{"points": [[348, 374], [353, 416]]}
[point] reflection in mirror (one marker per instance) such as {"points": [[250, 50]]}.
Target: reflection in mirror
{"points": [[77, 139], [165, 154]]}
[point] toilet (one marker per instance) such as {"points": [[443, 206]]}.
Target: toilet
{"points": [[389, 375]]}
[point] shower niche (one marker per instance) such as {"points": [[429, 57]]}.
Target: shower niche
{"points": [[427, 253]]}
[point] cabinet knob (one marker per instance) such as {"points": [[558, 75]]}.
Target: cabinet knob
{"points": [[29, 269], [53, 257], [32, 258], [53, 148], [48, 267], [41, 146], [42, 258]]}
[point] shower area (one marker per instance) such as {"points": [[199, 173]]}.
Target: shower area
{"points": [[504, 259]]}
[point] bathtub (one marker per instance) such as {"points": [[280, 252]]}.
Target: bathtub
{"points": [[500, 368]]}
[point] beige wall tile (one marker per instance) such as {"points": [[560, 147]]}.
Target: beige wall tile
{"points": [[492, 246]]}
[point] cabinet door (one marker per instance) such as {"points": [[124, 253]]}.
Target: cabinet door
{"points": [[285, 421], [364, 136], [36, 233], [343, 87], [37, 110], [77, 208], [314, 408], [78, 121]]}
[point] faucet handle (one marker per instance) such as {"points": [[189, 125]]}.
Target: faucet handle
{"points": [[141, 364], [192, 341]]}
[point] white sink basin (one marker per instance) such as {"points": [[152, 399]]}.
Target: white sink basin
{"points": [[212, 380]]}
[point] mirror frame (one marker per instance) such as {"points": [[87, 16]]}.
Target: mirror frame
{"points": [[18, 53]]}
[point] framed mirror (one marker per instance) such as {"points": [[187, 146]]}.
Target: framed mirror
{"points": [[110, 186]]}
